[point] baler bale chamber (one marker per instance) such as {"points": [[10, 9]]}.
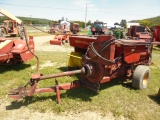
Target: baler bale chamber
{"points": [[105, 58]]}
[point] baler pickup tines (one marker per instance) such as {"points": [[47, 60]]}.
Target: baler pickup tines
{"points": [[18, 93]]}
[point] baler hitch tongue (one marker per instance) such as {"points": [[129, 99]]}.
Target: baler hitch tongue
{"points": [[18, 93]]}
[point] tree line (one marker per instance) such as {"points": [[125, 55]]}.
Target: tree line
{"points": [[150, 22], [44, 21]]}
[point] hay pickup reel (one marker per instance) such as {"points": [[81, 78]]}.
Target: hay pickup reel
{"points": [[105, 58]]}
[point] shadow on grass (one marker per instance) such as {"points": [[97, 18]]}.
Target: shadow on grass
{"points": [[65, 69], [117, 81], [26, 101], [82, 93], [156, 48], [15, 67], [155, 98]]}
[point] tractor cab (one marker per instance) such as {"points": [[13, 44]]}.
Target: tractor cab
{"points": [[54, 27], [10, 27], [99, 28], [74, 28]]}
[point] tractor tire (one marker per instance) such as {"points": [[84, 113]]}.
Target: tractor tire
{"points": [[141, 77], [2, 33]]}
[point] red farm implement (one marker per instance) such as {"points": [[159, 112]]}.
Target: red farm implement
{"points": [[60, 39], [104, 58], [15, 50], [139, 32], [156, 34]]}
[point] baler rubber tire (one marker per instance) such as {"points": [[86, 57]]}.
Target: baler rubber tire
{"points": [[141, 77]]}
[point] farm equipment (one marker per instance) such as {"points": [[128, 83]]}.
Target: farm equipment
{"points": [[74, 28], [105, 58], [64, 26], [99, 28], [60, 39], [15, 50], [12, 26], [54, 27], [139, 32], [156, 34], [80, 44], [156, 38]]}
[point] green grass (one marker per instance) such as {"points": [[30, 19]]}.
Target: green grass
{"points": [[115, 96]]}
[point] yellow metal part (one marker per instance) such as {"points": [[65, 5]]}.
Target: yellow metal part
{"points": [[75, 59]]}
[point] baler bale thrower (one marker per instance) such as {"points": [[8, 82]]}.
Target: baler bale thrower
{"points": [[103, 61]]}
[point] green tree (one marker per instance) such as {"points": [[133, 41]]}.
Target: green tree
{"points": [[145, 23], [123, 23], [89, 23]]}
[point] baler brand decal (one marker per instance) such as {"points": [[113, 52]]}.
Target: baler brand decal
{"points": [[83, 42]]}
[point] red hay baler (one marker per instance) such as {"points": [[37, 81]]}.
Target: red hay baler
{"points": [[15, 50], [105, 58]]}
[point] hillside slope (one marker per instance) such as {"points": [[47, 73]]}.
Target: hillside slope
{"points": [[29, 20], [151, 22]]}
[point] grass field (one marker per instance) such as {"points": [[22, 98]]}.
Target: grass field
{"points": [[116, 96]]}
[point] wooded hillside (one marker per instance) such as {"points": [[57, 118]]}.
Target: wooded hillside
{"points": [[42, 21], [150, 22], [29, 20]]}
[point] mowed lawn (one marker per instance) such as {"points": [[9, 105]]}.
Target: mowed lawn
{"points": [[116, 96]]}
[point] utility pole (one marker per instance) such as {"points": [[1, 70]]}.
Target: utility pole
{"points": [[86, 16]]}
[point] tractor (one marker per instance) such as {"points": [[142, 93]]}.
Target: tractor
{"points": [[99, 28], [74, 28], [12, 26], [54, 27]]}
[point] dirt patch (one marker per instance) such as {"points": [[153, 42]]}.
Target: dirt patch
{"points": [[43, 44], [23, 113], [48, 63]]}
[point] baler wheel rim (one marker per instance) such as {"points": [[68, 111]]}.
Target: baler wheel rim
{"points": [[141, 77]]}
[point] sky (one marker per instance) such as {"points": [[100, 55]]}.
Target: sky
{"points": [[108, 11]]}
